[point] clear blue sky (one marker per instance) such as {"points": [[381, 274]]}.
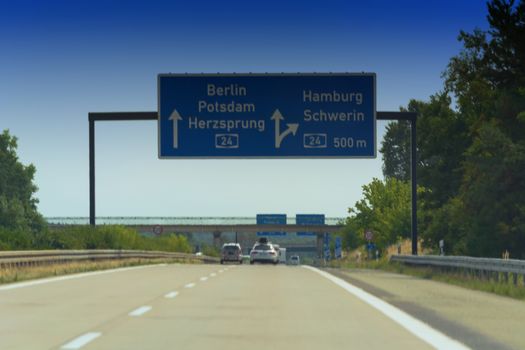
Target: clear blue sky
{"points": [[60, 60]]}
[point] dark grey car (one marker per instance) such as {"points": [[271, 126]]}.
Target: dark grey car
{"points": [[231, 252]]}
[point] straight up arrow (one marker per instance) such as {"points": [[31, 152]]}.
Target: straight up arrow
{"points": [[175, 117], [277, 116]]}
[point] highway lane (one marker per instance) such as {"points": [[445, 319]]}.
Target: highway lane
{"points": [[44, 316], [198, 307]]}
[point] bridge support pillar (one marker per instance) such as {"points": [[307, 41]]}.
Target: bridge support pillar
{"points": [[320, 242], [217, 239]]}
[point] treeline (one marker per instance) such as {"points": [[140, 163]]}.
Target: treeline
{"points": [[22, 227], [471, 152], [87, 237]]}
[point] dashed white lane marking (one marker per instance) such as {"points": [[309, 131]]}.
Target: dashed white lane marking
{"points": [[221, 271], [79, 342], [189, 285], [213, 274], [171, 295], [421, 330], [140, 311], [204, 279]]}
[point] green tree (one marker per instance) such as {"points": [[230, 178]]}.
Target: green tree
{"points": [[395, 149], [472, 159], [493, 193], [385, 209], [441, 143], [488, 76], [18, 206], [488, 80]]}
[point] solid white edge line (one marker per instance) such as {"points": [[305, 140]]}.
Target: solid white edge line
{"points": [[79, 342], [171, 295], [70, 277], [420, 329], [140, 311], [189, 285]]}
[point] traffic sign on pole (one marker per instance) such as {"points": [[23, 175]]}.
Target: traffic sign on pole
{"points": [[267, 115], [157, 230], [338, 247]]}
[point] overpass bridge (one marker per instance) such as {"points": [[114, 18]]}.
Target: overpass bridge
{"points": [[218, 229], [246, 228]]}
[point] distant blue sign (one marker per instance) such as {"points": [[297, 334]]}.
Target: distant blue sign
{"points": [[267, 115], [338, 248], [271, 219], [309, 219], [326, 245]]}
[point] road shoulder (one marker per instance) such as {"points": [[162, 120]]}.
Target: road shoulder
{"points": [[486, 321]]}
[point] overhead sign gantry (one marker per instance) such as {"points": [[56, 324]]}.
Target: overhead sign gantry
{"points": [[288, 115], [267, 115]]}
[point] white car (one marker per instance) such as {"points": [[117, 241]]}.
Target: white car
{"points": [[264, 253], [294, 260]]}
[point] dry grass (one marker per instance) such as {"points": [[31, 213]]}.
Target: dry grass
{"points": [[27, 273], [360, 254], [406, 249]]}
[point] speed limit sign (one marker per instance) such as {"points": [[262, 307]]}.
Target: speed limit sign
{"points": [[157, 230], [369, 235]]}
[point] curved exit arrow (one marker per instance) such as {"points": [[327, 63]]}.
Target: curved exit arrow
{"points": [[279, 137]]}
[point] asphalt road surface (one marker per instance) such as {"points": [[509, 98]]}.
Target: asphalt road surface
{"points": [[207, 307]]}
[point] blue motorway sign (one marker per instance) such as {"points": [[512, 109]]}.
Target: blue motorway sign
{"points": [[338, 247], [309, 219], [271, 219], [267, 115]]}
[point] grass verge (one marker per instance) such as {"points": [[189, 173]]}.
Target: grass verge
{"points": [[19, 274], [507, 289]]}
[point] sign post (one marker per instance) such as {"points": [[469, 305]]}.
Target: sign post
{"points": [[338, 247], [320, 113], [267, 115], [369, 235]]}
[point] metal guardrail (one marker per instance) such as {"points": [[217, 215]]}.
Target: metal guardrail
{"points": [[485, 268], [10, 259]]}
